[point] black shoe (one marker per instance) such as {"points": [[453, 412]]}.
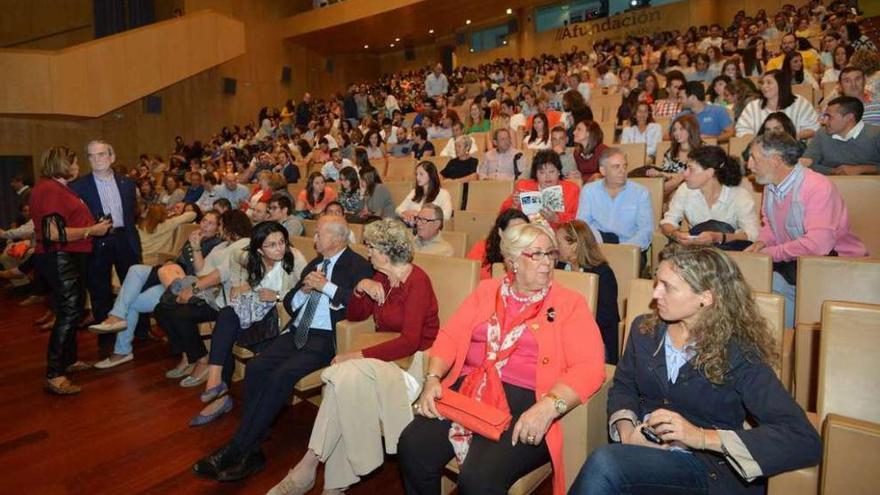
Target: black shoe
{"points": [[222, 458], [250, 464]]}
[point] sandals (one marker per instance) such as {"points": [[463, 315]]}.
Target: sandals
{"points": [[63, 388]]}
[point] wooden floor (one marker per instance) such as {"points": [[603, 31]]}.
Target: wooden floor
{"points": [[127, 432]]}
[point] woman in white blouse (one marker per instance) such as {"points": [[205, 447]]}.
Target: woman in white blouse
{"points": [[712, 193], [643, 129], [840, 58], [777, 96], [426, 190], [539, 137]]}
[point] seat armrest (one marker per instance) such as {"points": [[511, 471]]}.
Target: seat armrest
{"points": [[799, 482], [349, 333], [786, 374], [585, 429]]}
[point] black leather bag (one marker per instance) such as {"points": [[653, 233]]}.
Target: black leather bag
{"points": [[261, 331]]}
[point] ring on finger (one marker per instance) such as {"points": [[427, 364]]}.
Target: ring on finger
{"points": [[531, 438]]}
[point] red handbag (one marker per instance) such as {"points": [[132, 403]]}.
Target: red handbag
{"points": [[487, 421]]}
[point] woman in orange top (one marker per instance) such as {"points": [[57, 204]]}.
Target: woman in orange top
{"points": [[547, 172], [521, 344], [315, 197], [488, 251]]}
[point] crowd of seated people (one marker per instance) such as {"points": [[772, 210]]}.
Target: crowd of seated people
{"points": [[525, 121]]}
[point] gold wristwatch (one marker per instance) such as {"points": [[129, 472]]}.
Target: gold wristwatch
{"points": [[558, 403]]}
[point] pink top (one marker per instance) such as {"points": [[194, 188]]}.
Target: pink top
{"points": [[826, 224], [521, 367]]}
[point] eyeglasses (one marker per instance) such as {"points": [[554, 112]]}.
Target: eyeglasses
{"points": [[426, 220], [273, 245], [539, 256]]}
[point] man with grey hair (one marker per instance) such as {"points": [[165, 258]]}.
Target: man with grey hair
{"points": [[803, 213], [308, 343], [109, 195], [429, 238], [618, 210]]}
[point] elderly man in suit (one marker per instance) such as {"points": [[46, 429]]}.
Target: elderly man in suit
{"points": [[108, 194], [317, 303]]}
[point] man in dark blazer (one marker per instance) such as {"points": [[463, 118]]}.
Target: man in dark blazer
{"points": [[317, 303], [108, 193]]}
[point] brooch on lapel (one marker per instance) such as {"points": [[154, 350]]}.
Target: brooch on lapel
{"points": [[551, 315]]}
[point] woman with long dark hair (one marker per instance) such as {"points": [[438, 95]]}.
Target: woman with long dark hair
{"points": [[259, 277], [488, 251], [426, 189], [793, 64], [314, 198], [62, 227], [588, 138], [777, 96], [685, 132], [377, 197], [350, 196], [539, 137], [719, 212]]}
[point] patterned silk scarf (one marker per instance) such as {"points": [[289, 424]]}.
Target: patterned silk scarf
{"points": [[502, 336]]}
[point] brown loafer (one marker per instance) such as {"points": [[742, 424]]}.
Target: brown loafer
{"points": [[63, 388]]}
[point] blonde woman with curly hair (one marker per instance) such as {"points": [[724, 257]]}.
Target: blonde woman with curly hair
{"points": [[692, 372], [367, 396]]}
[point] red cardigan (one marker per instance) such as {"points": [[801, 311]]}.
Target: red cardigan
{"points": [[571, 193], [570, 350], [410, 309]]}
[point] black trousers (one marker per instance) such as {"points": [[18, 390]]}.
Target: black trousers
{"points": [[181, 323], [489, 468], [63, 273], [226, 332], [269, 380], [112, 250]]}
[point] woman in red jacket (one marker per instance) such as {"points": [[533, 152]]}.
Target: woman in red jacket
{"points": [[521, 344]]}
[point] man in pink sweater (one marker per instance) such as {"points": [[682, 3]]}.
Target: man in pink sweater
{"points": [[803, 214]]}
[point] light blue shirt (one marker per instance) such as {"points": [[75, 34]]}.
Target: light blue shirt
{"points": [[629, 214], [321, 320], [237, 196], [713, 119], [111, 200], [676, 358]]}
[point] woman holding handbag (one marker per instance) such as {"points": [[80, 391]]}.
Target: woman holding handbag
{"points": [[366, 388], [520, 348], [259, 277]]}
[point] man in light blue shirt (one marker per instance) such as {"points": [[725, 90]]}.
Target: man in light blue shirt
{"points": [[233, 191], [714, 120], [436, 83], [617, 209]]}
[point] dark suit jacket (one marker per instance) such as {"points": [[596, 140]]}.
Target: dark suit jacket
{"points": [[86, 189], [350, 269], [784, 440]]}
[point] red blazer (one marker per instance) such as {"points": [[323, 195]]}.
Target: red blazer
{"points": [[571, 193], [570, 350]]}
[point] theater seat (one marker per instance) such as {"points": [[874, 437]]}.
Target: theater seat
{"points": [[459, 241], [823, 278], [476, 224], [487, 195], [847, 412], [862, 197], [756, 268], [639, 301]]}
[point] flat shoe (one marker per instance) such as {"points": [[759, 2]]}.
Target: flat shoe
{"points": [[109, 327], [176, 373], [110, 363], [32, 300], [291, 486], [63, 388], [194, 381], [203, 419], [214, 393]]}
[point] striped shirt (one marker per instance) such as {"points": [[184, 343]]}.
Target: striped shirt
{"points": [[111, 200], [801, 113]]}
